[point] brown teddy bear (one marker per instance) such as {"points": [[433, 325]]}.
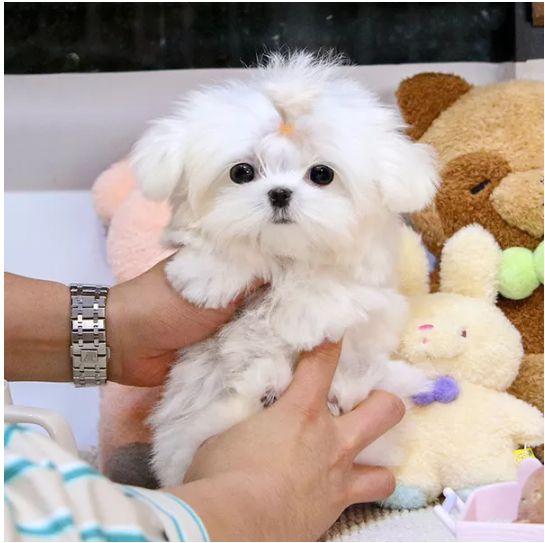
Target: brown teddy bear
{"points": [[489, 142]]}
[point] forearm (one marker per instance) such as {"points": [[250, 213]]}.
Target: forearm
{"points": [[36, 330]]}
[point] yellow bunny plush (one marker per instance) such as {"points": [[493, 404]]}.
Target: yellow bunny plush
{"points": [[464, 436]]}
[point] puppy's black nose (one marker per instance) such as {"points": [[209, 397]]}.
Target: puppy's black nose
{"points": [[280, 197]]}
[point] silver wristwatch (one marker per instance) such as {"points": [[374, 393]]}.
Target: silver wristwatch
{"points": [[89, 350]]}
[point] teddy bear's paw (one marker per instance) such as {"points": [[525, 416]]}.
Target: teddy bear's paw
{"points": [[405, 497]]}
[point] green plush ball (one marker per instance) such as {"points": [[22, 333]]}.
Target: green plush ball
{"points": [[518, 277], [538, 262]]}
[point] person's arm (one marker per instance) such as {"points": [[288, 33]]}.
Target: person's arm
{"points": [[36, 330], [147, 322]]}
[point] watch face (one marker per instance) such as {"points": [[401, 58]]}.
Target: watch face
{"points": [[89, 357]]}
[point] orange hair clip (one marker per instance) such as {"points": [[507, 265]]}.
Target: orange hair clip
{"points": [[286, 129]]}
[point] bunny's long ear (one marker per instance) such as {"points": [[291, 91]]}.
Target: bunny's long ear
{"points": [[413, 265], [158, 158], [470, 263]]}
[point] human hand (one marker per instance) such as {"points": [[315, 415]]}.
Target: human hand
{"points": [[287, 473], [148, 322]]}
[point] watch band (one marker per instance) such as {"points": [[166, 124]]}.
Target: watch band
{"points": [[89, 351]]}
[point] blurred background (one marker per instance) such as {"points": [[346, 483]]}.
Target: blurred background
{"points": [[97, 37]]}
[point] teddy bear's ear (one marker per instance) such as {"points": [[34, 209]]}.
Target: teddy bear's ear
{"points": [[470, 263], [158, 158], [423, 97], [413, 265]]}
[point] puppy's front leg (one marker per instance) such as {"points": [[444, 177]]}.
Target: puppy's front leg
{"points": [[305, 313], [176, 441], [208, 280], [404, 380]]}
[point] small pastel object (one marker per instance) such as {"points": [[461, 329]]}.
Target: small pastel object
{"points": [[493, 512], [405, 497], [519, 275], [445, 390], [538, 262], [423, 398]]}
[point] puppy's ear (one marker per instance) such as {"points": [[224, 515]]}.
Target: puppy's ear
{"points": [[158, 158], [409, 175]]}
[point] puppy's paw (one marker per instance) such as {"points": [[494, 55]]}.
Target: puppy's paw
{"points": [[269, 397], [205, 280], [334, 406], [303, 327], [405, 381]]}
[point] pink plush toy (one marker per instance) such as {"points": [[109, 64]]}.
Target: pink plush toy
{"points": [[133, 246], [134, 223]]}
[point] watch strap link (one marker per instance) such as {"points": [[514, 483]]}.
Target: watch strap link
{"points": [[88, 350]]}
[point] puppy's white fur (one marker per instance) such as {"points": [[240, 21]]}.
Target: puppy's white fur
{"points": [[331, 269]]}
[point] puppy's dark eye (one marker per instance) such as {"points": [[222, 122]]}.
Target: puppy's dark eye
{"points": [[463, 333], [480, 186], [321, 175], [242, 173]]}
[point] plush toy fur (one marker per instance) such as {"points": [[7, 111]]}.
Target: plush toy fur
{"points": [[135, 224], [470, 441], [490, 145]]}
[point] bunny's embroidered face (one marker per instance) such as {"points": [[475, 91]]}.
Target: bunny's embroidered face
{"points": [[459, 331], [467, 338]]}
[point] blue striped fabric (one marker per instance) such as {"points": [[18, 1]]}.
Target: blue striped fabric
{"points": [[16, 468], [48, 528], [10, 430], [67, 488], [79, 472], [99, 533], [193, 515], [131, 491]]}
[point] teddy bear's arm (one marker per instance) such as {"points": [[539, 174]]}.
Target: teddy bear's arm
{"points": [[524, 421]]}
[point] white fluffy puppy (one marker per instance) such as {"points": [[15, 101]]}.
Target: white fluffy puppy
{"points": [[296, 176]]}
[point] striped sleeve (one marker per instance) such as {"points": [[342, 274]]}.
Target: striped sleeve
{"points": [[180, 521], [51, 495]]}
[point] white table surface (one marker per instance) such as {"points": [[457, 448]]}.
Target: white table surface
{"points": [[56, 235]]}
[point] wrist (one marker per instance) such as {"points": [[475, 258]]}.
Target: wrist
{"points": [[116, 321]]}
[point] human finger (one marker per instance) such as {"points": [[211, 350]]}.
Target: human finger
{"points": [[370, 483], [314, 374], [370, 419]]}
